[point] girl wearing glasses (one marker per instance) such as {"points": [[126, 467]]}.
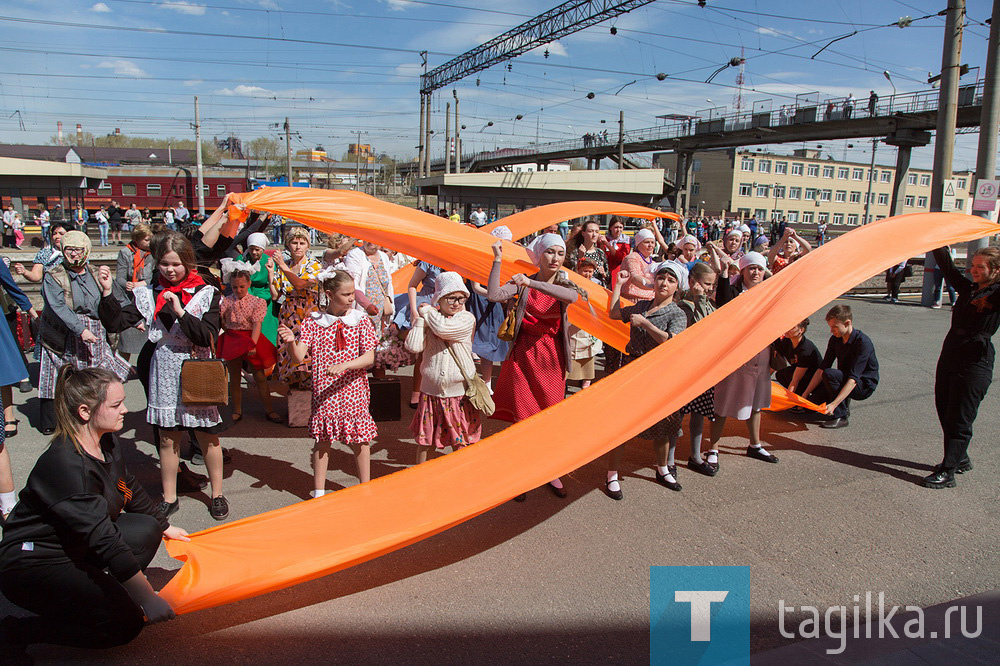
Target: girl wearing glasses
{"points": [[443, 332]]}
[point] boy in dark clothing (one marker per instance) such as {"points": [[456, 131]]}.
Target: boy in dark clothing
{"points": [[856, 374], [801, 355]]}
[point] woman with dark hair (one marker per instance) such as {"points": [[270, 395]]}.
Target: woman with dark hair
{"points": [[182, 317], [965, 368], [75, 546], [46, 258], [585, 246]]}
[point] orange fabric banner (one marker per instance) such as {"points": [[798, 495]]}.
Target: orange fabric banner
{"points": [[453, 247], [529, 221], [782, 398], [282, 548]]}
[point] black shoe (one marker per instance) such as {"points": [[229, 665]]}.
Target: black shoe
{"points": [[702, 467], [614, 494], [830, 424], [559, 492], [941, 478], [672, 471], [25, 386], [169, 508], [521, 497], [219, 508], [759, 453], [964, 466]]}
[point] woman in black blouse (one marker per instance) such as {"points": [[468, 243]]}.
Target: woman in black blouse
{"points": [[75, 546], [965, 368]]}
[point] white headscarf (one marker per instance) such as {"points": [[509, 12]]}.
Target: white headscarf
{"points": [[502, 232], [734, 232], [448, 282], [642, 235], [744, 229], [257, 240], [679, 270], [543, 243], [753, 259], [690, 239]]}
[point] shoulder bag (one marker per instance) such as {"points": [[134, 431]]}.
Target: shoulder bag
{"points": [[204, 381], [475, 388]]}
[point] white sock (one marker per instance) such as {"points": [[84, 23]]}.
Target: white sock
{"points": [[662, 470], [317, 493], [756, 446], [712, 457], [7, 502], [613, 484], [556, 483]]}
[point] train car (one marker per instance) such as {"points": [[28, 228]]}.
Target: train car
{"points": [[161, 187]]}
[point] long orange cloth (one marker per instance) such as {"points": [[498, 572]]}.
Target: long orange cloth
{"points": [[453, 247], [310, 539], [782, 398], [529, 221]]}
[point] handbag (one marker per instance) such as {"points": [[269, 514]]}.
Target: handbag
{"points": [[509, 325], [204, 381], [475, 388]]}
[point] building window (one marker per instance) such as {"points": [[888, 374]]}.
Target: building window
{"points": [[961, 183], [762, 190], [746, 164], [776, 214], [764, 166], [128, 189], [793, 216], [812, 171], [807, 217], [858, 174], [153, 190], [794, 192], [779, 192], [743, 212], [104, 189], [696, 165], [885, 177], [823, 218], [925, 180], [828, 172], [843, 173], [695, 188], [760, 214], [911, 179], [746, 189], [796, 169], [921, 202], [220, 190], [810, 194], [855, 197], [908, 201], [883, 199], [207, 189], [838, 218], [781, 167], [852, 218], [825, 195], [840, 196]]}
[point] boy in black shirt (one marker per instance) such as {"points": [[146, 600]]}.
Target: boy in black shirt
{"points": [[856, 374], [801, 355]]}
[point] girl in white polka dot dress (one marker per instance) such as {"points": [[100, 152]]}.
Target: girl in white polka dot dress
{"points": [[341, 342]]}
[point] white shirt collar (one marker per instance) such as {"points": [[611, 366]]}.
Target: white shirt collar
{"points": [[324, 319]]}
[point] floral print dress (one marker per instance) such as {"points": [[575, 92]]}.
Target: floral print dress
{"points": [[299, 303]]}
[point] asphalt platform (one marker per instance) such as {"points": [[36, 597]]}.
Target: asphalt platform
{"points": [[567, 580]]}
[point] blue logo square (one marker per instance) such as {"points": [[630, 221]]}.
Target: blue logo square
{"points": [[699, 615]]}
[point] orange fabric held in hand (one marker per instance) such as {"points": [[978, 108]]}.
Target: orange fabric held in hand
{"points": [[284, 547], [782, 398]]}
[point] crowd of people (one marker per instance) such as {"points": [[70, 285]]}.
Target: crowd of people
{"points": [[278, 316]]}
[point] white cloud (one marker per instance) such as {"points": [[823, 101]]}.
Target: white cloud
{"points": [[123, 68], [554, 49], [183, 7], [244, 91], [398, 5], [101, 8]]}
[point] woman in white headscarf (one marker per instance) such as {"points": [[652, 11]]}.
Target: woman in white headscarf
{"points": [[533, 377]]}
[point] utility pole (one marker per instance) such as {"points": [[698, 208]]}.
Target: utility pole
{"points": [[986, 161], [420, 149], [944, 137], [288, 152], [621, 139], [871, 177], [357, 161], [458, 136], [197, 152], [447, 137]]}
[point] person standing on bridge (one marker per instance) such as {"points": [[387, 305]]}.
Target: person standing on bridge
{"points": [[872, 103], [849, 106]]}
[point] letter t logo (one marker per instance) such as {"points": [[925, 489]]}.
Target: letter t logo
{"points": [[701, 610]]}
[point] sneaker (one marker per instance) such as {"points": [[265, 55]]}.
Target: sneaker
{"points": [[759, 453], [169, 508], [197, 459], [219, 508], [936, 306]]}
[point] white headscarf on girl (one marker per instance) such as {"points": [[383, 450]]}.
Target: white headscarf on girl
{"points": [[679, 270], [230, 266], [543, 243], [690, 239]]}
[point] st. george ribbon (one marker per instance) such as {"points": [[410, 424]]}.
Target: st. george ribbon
{"points": [[282, 548]]}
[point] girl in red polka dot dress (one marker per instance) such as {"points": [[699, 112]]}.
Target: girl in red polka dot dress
{"points": [[341, 342]]}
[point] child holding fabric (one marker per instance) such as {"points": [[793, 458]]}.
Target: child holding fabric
{"points": [[243, 340], [583, 347], [652, 322], [341, 342], [443, 332]]}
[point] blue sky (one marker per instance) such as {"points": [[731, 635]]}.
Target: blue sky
{"points": [[339, 67]]}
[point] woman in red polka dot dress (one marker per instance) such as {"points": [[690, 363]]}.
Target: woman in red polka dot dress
{"points": [[534, 375], [341, 342]]}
